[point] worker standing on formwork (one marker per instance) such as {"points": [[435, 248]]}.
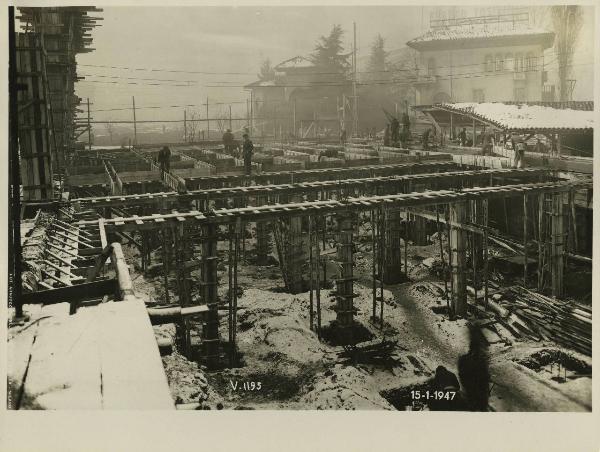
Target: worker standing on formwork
{"points": [[386, 136], [518, 146], [228, 141], [343, 137], [247, 151], [426, 139], [164, 159], [395, 129]]}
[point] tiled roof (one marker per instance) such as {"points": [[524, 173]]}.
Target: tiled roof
{"points": [[478, 31], [260, 83], [525, 117]]}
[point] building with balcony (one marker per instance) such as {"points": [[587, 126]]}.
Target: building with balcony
{"points": [[481, 59]]}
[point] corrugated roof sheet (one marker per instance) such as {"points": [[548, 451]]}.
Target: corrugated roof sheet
{"points": [[477, 31], [526, 117]]}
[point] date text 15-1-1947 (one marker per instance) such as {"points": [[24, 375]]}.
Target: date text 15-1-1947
{"points": [[432, 395]]}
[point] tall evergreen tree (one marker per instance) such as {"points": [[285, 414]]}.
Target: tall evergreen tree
{"points": [[378, 57], [328, 54]]}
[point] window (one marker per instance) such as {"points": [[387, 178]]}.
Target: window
{"points": [[519, 62], [520, 95], [499, 62], [489, 63], [508, 62], [431, 69], [530, 62], [478, 95]]}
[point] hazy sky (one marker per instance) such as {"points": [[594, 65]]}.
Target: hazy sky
{"points": [[223, 40], [216, 39]]}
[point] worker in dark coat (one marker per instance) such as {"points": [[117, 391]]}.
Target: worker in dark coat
{"points": [[343, 137], [395, 130], [426, 135], [486, 144], [386, 136], [228, 141], [164, 159], [462, 136], [247, 151]]}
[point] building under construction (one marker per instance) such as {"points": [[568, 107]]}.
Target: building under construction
{"points": [[337, 275]]}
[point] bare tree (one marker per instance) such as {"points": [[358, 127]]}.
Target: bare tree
{"points": [[222, 120], [567, 21], [192, 125]]}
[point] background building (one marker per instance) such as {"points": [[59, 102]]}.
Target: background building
{"points": [[481, 59]]}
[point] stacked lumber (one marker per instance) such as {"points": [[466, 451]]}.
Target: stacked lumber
{"points": [[565, 322]]}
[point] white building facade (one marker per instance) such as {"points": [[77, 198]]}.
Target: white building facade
{"points": [[481, 59]]}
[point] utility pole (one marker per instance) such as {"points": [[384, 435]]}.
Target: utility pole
{"points": [[248, 113], [184, 126], [230, 126], [89, 125], [251, 112], [207, 122], [294, 116], [134, 124], [354, 93]]}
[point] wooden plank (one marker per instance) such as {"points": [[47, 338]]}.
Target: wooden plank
{"points": [[77, 292]]}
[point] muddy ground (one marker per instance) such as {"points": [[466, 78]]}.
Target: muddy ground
{"points": [[284, 365]]}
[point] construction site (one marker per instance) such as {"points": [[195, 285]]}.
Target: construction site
{"points": [[434, 255]]}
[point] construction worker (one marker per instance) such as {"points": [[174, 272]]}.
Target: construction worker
{"points": [[228, 141], [164, 159], [386, 136], [247, 151], [518, 146], [395, 129], [486, 144], [343, 137], [426, 139], [462, 136]]}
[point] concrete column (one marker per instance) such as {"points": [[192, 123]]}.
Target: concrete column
{"points": [[458, 240], [210, 336], [558, 237], [393, 257], [345, 284]]}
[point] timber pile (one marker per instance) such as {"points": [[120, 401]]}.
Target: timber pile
{"points": [[567, 323]]}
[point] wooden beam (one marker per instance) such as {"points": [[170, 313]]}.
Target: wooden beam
{"points": [[74, 293]]}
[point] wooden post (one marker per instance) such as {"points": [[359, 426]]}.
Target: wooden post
{"points": [[318, 280], [541, 243], [209, 284], [373, 264], [311, 272], [393, 255], [294, 116], [474, 131], [207, 122], [89, 125], [451, 126], [135, 142], [230, 126], [558, 236], [457, 245], [345, 284], [184, 126], [525, 243], [485, 251]]}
